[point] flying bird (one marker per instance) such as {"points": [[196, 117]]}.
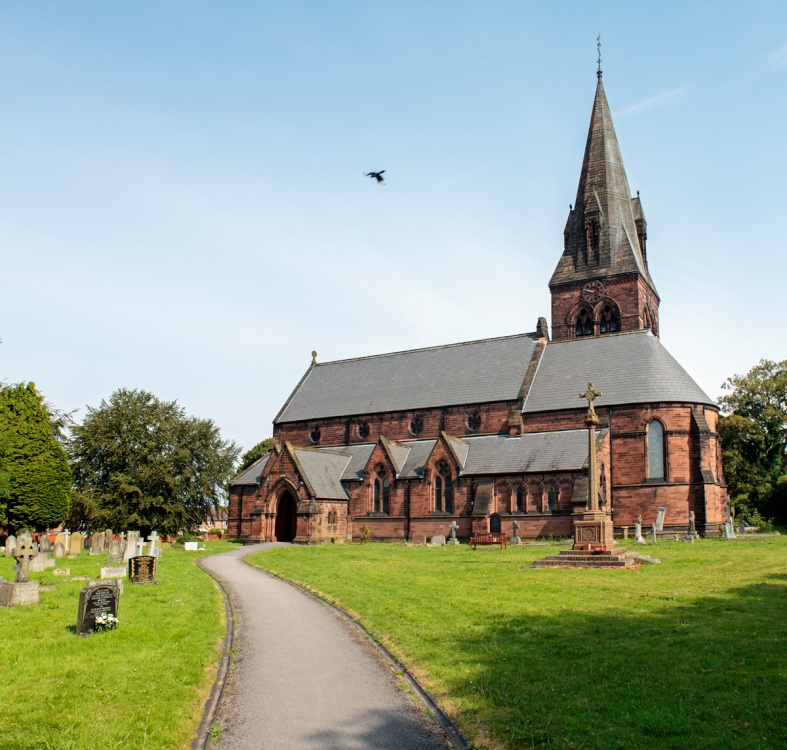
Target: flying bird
{"points": [[376, 175]]}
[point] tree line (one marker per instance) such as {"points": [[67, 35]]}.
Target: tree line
{"points": [[134, 461]]}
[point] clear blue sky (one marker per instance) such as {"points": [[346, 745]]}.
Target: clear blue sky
{"points": [[182, 206]]}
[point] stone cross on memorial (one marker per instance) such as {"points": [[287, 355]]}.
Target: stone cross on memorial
{"points": [[591, 420], [152, 539], [25, 552]]}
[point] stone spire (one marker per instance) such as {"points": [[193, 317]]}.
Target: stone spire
{"points": [[606, 230]]}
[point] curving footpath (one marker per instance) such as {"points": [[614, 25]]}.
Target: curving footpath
{"points": [[303, 677]]}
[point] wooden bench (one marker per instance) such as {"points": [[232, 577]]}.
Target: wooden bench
{"points": [[500, 539]]}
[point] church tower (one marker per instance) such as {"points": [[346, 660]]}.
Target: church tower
{"points": [[602, 284]]}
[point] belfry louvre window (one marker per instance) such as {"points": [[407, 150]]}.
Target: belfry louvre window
{"points": [[610, 320], [655, 439], [584, 323], [443, 490]]}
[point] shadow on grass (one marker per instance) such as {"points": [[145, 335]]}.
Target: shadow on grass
{"points": [[656, 674]]}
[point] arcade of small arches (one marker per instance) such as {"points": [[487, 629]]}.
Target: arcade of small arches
{"points": [[585, 320]]}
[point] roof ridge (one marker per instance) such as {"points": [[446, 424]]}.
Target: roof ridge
{"points": [[531, 335], [639, 332]]}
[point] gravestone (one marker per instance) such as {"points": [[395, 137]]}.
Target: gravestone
{"points": [[515, 538], [113, 571], [741, 528], [115, 552], [10, 545], [97, 598], [97, 544], [692, 535], [142, 569], [453, 540], [61, 539], [61, 572], [152, 539], [131, 545], [638, 538], [76, 544], [140, 547], [655, 536], [59, 551], [438, 539], [22, 591], [38, 564], [660, 519], [729, 530], [190, 546], [44, 545], [107, 539], [24, 553]]}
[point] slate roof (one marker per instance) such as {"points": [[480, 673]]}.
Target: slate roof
{"points": [[323, 470], [467, 373], [535, 452], [628, 368], [253, 473], [420, 450], [359, 457]]}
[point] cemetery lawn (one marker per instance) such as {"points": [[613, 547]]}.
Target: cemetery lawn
{"points": [[690, 653], [140, 687]]}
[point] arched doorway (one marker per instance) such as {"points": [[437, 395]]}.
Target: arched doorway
{"points": [[285, 518]]}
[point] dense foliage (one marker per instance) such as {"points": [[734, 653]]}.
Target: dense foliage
{"points": [[254, 454], [35, 479], [144, 463], [753, 430]]}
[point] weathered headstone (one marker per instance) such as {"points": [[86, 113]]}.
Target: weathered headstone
{"points": [[97, 544], [638, 538], [61, 539], [131, 545], [115, 552], [25, 552], [44, 545], [729, 530], [107, 539], [61, 572], [10, 545], [76, 544], [655, 536], [38, 564], [515, 528], [438, 539], [113, 571], [96, 599], [59, 551], [660, 519], [741, 528], [692, 535], [142, 569]]}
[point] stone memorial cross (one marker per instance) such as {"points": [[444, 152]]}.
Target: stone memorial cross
{"points": [[454, 526], [591, 420], [638, 538], [152, 539]]}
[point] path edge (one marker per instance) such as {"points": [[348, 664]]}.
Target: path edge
{"points": [[450, 729], [202, 738]]}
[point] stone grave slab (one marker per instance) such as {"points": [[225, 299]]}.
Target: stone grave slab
{"points": [[59, 551], [61, 572], [113, 571], [438, 539], [44, 544], [76, 544], [190, 546], [107, 539], [97, 598]]}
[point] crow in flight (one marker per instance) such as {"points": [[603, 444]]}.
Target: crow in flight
{"points": [[376, 175]]}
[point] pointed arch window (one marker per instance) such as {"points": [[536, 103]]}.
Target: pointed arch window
{"points": [[609, 320], [655, 441], [382, 492], [520, 499], [552, 498], [584, 323], [443, 489]]}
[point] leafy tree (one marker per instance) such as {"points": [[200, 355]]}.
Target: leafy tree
{"points": [[35, 478], [753, 431], [254, 454], [144, 463]]}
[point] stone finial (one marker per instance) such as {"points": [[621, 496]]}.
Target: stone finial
{"points": [[591, 395], [314, 358]]}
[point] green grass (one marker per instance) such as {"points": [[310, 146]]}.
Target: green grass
{"points": [[140, 687], [687, 654]]}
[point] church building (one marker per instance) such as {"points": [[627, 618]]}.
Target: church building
{"points": [[486, 433]]}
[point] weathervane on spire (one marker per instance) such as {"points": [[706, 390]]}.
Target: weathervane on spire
{"points": [[598, 46]]}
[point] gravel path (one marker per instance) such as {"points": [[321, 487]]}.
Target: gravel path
{"points": [[303, 678]]}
